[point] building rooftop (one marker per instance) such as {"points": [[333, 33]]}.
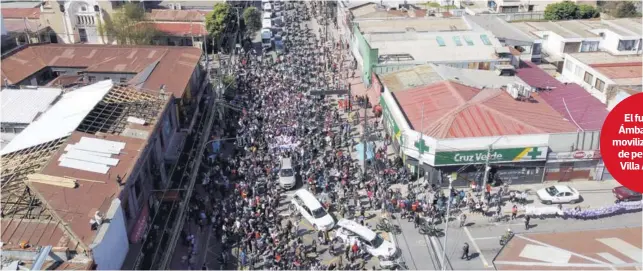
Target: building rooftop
{"points": [[424, 24], [173, 69], [106, 129], [180, 29], [499, 27], [591, 58], [427, 74], [581, 29], [24, 105], [435, 47], [453, 110], [623, 70], [173, 15], [19, 13], [570, 100], [604, 249], [372, 11], [20, 25]]}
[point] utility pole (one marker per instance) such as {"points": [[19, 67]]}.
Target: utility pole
{"points": [[486, 173], [420, 145], [446, 226], [365, 140]]}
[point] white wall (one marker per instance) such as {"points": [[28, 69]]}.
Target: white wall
{"points": [[554, 44], [4, 30], [610, 42], [576, 78], [111, 245]]}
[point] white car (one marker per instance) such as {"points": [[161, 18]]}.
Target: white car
{"points": [[558, 194], [287, 174], [309, 207], [350, 231]]}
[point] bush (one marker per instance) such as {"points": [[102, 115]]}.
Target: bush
{"points": [[562, 11], [587, 11], [625, 9]]}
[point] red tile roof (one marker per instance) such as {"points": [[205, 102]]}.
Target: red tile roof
{"points": [[570, 100], [177, 15], [453, 110], [180, 29], [35, 232], [174, 69], [19, 13], [620, 70]]}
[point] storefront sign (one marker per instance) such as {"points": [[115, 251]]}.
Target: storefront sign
{"points": [[495, 156], [141, 223], [393, 127], [574, 155]]}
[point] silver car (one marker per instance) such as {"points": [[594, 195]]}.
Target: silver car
{"points": [[287, 174]]}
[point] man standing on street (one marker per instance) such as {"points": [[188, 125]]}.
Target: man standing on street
{"points": [[465, 251]]}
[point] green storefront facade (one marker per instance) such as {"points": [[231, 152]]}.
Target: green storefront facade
{"points": [[508, 155], [393, 128]]}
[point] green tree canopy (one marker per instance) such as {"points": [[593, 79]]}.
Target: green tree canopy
{"points": [[126, 26], [625, 9], [562, 11], [218, 19], [252, 19], [587, 11]]}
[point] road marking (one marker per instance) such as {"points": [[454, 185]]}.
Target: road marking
{"points": [[475, 246], [570, 252]]}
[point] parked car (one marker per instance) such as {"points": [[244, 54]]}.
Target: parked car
{"points": [[558, 194], [287, 174], [350, 231], [309, 207], [623, 193]]}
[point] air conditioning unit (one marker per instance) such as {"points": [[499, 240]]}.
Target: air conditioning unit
{"points": [[171, 5], [177, 6]]}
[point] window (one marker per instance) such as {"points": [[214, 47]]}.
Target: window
{"points": [[627, 45], [485, 39], [589, 46], [91, 78], [468, 40], [83, 8], [600, 85], [122, 80], [588, 78], [545, 37], [457, 40], [440, 41], [107, 78], [536, 50], [578, 71], [602, 35], [569, 66]]}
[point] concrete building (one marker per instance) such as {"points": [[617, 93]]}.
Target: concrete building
{"points": [[398, 44], [619, 37], [24, 26], [450, 125], [528, 47], [510, 6], [82, 173], [602, 74], [179, 27]]}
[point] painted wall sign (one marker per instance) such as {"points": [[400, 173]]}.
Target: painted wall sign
{"points": [[496, 156], [574, 155], [395, 129]]}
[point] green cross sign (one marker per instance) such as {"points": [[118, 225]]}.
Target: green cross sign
{"points": [[534, 153], [421, 146]]}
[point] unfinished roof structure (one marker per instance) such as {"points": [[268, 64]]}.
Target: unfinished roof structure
{"points": [[46, 197]]}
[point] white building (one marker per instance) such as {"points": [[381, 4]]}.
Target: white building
{"points": [[621, 37], [601, 73]]}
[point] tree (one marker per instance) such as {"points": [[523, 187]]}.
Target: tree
{"points": [[252, 19], [625, 9], [127, 26], [218, 19], [561, 11], [587, 11]]}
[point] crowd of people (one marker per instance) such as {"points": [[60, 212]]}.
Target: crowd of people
{"points": [[280, 118]]}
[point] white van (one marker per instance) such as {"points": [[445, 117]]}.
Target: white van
{"points": [[267, 7], [309, 207], [287, 174], [350, 231], [266, 38]]}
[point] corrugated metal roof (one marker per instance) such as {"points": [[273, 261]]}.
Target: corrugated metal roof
{"points": [[23, 105], [61, 119], [181, 29], [586, 111], [19, 13], [453, 110]]}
